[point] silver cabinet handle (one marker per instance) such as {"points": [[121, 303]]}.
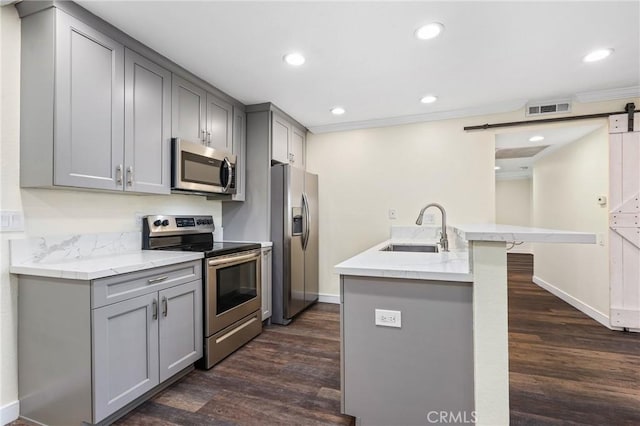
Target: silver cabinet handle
{"points": [[119, 174], [208, 138], [155, 309], [204, 136], [130, 175], [165, 306], [158, 279]]}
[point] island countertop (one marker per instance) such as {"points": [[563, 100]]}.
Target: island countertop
{"points": [[442, 266]]}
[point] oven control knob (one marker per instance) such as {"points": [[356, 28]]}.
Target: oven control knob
{"points": [[165, 222], [157, 222]]}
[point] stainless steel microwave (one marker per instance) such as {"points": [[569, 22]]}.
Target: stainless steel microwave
{"points": [[199, 169]]}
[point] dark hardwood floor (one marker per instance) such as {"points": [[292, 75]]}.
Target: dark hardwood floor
{"points": [[565, 369]]}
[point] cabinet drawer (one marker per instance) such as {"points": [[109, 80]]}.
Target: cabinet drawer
{"points": [[115, 289]]}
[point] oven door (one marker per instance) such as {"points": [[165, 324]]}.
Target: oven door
{"points": [[232, 289]]}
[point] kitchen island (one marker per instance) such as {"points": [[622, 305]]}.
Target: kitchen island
{"points": [[424, 335]]}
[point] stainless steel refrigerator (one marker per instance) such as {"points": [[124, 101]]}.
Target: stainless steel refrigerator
{"points": [[294, 232]]}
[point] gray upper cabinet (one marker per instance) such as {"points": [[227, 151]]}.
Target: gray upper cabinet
{"points": [[89, 81], [288, 142], [188, 111], [94, 114], [147, 126], [219, 123], [199, 116]]}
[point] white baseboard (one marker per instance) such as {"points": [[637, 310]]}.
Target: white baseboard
{"points": [[329, 298], [579, 305], [9, 412]]}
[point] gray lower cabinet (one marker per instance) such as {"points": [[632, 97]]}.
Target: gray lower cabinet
{"points": [[105, 345], [410, 374], [75, 128]]}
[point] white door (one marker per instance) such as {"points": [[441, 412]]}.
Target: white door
{"points": [[624, 223]]}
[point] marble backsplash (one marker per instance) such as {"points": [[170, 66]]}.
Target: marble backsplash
{"points": [[58, 249]]}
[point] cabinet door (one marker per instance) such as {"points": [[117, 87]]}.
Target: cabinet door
{"points": [[240, 150], [188, 110], [219, 123], [297, 150], [266, 282], [89, 107], [125, 353], [280, 139], [147, 125], [181, 339]]}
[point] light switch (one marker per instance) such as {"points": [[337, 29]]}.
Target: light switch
{"points": [[11, 220]]}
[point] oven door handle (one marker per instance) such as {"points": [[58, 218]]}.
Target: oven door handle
{"points": [[234, 259]]}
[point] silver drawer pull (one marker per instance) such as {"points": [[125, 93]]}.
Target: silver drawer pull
{"points": [[157, 280]]}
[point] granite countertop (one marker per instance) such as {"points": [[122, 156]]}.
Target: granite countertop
{"points": [[90, 256]]}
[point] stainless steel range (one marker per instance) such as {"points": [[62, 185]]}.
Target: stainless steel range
{"points": [[232, 281]]}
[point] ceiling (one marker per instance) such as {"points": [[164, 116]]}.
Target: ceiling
{"points": [[521, 166], [492, 56]]}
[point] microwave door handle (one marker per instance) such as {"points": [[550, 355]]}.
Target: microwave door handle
{"points": [[305, 207], [227, 164]]}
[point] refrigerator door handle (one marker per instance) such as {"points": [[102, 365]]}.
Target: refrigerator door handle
{"points": [[307, 214]]}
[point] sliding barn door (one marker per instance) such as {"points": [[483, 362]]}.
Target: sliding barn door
{"points": [[624, 221]]}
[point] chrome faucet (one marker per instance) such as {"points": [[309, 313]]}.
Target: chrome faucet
{"points": [[444, 242]]}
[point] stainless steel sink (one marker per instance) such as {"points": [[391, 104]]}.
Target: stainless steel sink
{"points": [[422, 248]]}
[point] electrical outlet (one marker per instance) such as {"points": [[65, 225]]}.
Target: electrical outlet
{"points": [[11, 220], [428, 218], [393, 214], [387, 318]]}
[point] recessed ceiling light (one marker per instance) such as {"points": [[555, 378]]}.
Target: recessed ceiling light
{"points": [[497, 168], [294, 59], [429, 99], [536, 138], [597, 55], [429, 31], [337, 111]]}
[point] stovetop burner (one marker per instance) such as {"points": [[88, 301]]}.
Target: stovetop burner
{"points": [[187, 233]]}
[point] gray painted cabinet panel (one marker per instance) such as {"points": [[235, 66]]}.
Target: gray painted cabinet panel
{"points": [[89, 105], [240, 150], [219, 123], [125, 353], [188, 111], [401, 375], [298, 145], [280, 139], [267, 268], [147, 125], [180, 327]]}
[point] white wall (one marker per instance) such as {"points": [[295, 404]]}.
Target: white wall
{"points": [[364, 173], [54, 212], [513, 206], [566, 185]]}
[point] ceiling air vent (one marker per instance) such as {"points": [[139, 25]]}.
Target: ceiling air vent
{"points": [[549, 107]]}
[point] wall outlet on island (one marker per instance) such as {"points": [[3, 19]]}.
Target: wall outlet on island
{"points": [[386, 318]]}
